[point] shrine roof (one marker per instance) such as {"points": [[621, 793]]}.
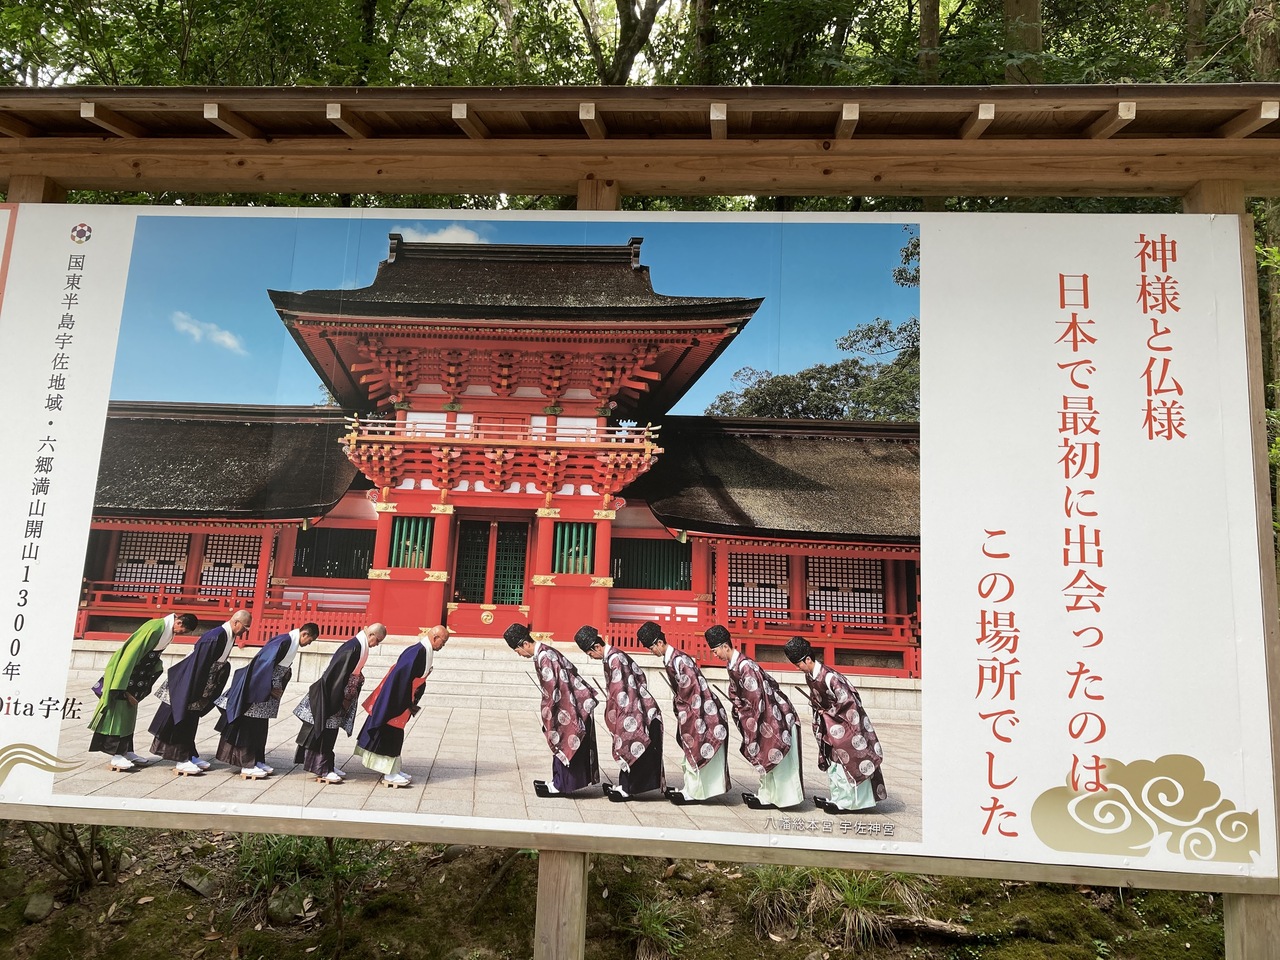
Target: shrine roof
{"points": [[480, 281], [171, 461], [793, 479]]}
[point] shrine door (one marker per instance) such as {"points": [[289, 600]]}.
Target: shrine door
{"points": [[488, 577]]}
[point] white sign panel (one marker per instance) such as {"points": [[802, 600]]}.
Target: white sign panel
{"points": [[1092, 681]]}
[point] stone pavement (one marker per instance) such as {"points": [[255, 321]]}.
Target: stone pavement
{"points": [[475, 749]]}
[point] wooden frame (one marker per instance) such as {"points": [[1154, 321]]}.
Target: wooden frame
{"points": [[1214, 145]]}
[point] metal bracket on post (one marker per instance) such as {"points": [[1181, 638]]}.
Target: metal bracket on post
{"points": [[560, 927]]}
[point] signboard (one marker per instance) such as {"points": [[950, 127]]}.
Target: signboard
{"points": [[1094, 688]]}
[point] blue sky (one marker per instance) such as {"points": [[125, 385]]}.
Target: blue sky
{"points": [[197, 323]]}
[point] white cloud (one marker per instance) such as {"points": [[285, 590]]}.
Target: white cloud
{"points": [[453, 233], [201, 331]]}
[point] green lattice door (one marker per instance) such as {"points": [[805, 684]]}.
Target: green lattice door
{"points": [[490, 562]]}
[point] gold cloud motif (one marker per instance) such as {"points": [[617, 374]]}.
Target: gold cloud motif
{"points": [[1148, 805], [28, 753]]}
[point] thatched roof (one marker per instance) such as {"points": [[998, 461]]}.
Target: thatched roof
{"points": [[482, 281], [797, 479], [221, 462]]}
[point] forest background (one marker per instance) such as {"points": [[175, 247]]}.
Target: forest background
{"points": [[647, 42]]}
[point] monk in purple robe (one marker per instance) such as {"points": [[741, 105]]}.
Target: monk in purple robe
{"points": [[632, 716], [567, 702], [702, 728], [768, 724], [848, 747]]}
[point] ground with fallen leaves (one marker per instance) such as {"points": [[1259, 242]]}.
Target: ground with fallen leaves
{"points": [[430, 902]]}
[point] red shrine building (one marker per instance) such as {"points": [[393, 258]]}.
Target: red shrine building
{"points": [[501, 451]]}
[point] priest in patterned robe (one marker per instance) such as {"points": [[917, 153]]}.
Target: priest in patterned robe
{"points": [[768, 724], [129, 676], [253, 700], [632, 716], [848, 747], [702, 727], [567, 702], [330, 705], [392, 703], [189, 691]]}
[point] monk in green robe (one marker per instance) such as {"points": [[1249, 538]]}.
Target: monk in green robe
{"points": [[129, 676]]}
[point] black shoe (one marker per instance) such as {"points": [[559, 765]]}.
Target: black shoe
{"points": [[540, 789], [616, 796], [678, 798], [754, 803]]}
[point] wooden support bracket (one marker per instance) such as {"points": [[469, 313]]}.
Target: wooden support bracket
{"points": [[347, 122], [591, 122], [13, 127], [848, 121], [1250, 120], [471, 124], [978, 121], [719, 121], [231, 122], [111, 121], [1118, 117]]}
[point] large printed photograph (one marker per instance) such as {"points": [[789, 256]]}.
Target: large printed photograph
{"points": [[606, 524]]}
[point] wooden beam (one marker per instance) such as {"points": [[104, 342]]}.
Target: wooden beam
{"points": [[674, 167], [594, 126], [471, 125], [13, 127], [1118, 117], [978, 121], [560, 925], [1215, 196], [232, 123], [597, 194], [719, 121], [848, 121], [347, 122], [34, 188], [1251, 120], [111, 121]]}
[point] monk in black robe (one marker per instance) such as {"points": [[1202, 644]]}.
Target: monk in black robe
{"points": [[330, 705]]}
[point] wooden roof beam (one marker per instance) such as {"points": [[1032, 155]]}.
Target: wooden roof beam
{"points": [[978, 121], [347, 122], [1114, 120], [231, 123], [719, 121], [13, 127], [848, 122], [591, 122], [111, 121], [471, 125], [1251, 120]]}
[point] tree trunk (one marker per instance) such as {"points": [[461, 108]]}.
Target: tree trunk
{"points": [[706, 71], [930, 39], [1195, 31], [1023, 42]]}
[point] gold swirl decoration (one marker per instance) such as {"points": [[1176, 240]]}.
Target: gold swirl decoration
{"points": [[28, 753], [1149, 805]]}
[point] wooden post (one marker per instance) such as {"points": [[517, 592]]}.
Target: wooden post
{"points": [[35, 188], [561, 925], [1251, 920], [598, 194]]}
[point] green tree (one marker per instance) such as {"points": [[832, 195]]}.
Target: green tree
{"points": [[880, 381]]}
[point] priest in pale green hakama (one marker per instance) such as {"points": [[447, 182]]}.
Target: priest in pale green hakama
{"points": [[129, 676]]}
